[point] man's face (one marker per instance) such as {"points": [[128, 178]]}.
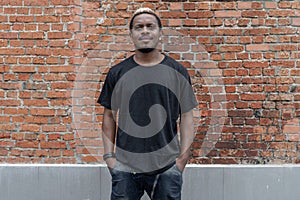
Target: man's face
{"points": [[145, 32]]}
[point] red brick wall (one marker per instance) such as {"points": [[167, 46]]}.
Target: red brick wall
{"points": [[54, 53]]}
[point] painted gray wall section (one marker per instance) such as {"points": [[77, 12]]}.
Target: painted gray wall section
{"points": [[201, 182]]}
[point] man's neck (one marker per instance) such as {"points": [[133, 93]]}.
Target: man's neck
{"points": [[148, 59]]}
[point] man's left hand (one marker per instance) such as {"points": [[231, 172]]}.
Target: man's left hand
{"points": [[180, 164]]}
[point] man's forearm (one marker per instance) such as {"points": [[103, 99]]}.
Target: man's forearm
{"points": [[186, 135], [108, 131]]}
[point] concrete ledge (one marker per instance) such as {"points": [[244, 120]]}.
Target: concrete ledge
{"points": [[203, 182]]}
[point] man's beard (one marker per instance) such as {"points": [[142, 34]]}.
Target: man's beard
{"points": [[146, 50]]}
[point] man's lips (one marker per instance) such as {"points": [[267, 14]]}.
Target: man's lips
{"points": [[145, 38]]}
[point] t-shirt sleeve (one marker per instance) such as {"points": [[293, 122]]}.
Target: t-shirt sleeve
{"points": [[107, 90], [187, 97]]}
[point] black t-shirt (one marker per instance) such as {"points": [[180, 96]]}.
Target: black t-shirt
{"points": [[149, 100]]}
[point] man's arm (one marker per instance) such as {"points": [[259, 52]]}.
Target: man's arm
{"points": [[109, 135], [186, 138]]}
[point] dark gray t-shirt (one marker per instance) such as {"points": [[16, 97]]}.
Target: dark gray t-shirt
{"points": [[149, 101]]}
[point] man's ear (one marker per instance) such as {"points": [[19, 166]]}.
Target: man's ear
{"points": [[130, 35], [160, 35]]}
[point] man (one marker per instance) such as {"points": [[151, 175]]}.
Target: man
{"points": [[143, 97]]}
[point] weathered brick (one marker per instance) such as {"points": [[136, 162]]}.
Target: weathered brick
{"points": [[43, 48]]}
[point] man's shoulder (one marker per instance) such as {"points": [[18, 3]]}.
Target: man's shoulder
{"points": [[171, 62], [123, 65]]}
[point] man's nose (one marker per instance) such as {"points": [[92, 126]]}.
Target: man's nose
{"points": [[145, 29]]}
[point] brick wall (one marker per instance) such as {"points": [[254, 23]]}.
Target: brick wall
{"points": [[242, 56]]}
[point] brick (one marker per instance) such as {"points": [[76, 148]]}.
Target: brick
{"points": [[10, 10], [35, 102], [240, 113], [281, 97], [216, 6], [256, 64], [173, 14], [254, 14], [42, 112], [30, 136], [281, 13], [23, 69], [254, 146], [27, 144], [270, 114], [11, 51], [295, 4], [189, 6], [91, 159], [29, 127], [59, 35], [228, 48], [253, 97], [12, 3], [6, 144], [61, 85], [283, 30], [36, 119], [54, 153], [225, 161], [24, 11], [53, 145], [36, 11], [230, 14], [48, 19], [4, 27], [61, 2], [257, 31], [3, 152], [283, 63], [229, 32], [68, 137], [62, 69], [23, 19], [10, 77], [54, 128], [41, 153], [296, 21], [201, 14], [10, 102], [244, 5], [270, 5], [257, 47], [283, 22], [5, 135], [58, 94], [175, 6]]}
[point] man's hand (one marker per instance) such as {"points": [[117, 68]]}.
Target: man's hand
{"points": [[109, 136], [186, 139], [111, 162], [181, 163]]}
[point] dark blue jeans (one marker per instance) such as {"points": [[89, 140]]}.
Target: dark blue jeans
{"points": [[129, 186]]}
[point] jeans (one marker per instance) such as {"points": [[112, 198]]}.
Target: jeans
{"points": [[130, 186]]}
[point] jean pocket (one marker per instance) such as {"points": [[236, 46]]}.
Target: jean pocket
{"points": [[114, 169], [111, 170], [177, 169]]}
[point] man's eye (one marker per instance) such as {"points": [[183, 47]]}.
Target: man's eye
{"points": [[138, 27]]}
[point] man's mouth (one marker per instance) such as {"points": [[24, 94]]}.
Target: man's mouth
{"points": [[145, 38]]}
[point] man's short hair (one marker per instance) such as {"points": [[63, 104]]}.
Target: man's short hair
{"points": [[143, 11]]}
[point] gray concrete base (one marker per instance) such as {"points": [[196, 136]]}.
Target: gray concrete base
{"points": [[201, 182]]}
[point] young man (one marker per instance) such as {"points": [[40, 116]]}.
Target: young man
{"points": [[143, 97]]}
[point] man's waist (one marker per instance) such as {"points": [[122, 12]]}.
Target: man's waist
{"points": [[123, 167]]}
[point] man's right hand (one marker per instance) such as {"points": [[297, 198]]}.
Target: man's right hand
{"points": [[111, 162]]}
